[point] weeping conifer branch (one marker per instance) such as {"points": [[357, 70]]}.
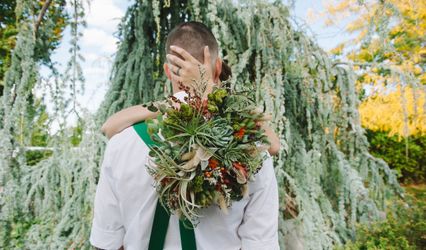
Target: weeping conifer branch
{"points": [[324, 167]]}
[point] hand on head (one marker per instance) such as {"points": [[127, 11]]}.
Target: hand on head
{"points": [[187, 69]]}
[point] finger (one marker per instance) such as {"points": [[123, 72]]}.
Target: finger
{"points": [[185, 54], [207, 57], [173, 68], [175, 77], [176, 60]]}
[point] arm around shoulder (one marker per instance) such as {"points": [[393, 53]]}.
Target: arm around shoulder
{"points": [[125, 118], [273, 138]]}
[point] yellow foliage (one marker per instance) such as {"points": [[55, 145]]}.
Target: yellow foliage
{"points": [[338, 50], [392, 35], [355, 25], [407, 33], [335, 7], [423, 79], [385, 112]]}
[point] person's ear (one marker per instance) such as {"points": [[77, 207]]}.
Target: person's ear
{"points": [[217, 69], [167, 71]]}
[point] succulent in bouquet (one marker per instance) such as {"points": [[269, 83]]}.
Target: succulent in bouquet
{"points": [[206, 151]]}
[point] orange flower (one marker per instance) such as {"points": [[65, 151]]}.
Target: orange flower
{"points": [[213, 163], [204, 105], [237, 165], [241, 172], [240, 133]]}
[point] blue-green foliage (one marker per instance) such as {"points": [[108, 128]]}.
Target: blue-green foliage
{"points": [[324, 168]]}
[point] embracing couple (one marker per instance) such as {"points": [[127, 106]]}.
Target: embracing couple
{"points": [[127, 214]]}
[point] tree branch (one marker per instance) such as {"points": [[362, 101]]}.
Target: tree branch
{"points": [[42, 13]]}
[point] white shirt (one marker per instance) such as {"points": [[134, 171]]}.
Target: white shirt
{"points": [[126, 199]]}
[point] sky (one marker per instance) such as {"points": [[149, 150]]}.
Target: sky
{"points": [[98, 44]]}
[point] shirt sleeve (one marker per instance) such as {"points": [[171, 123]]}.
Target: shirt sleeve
{"points": [[259, 229], [107, 229]]}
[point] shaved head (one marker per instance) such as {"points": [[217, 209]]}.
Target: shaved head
{"points": [[193, 37]]}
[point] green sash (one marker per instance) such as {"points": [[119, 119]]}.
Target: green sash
{"points": [[162, 216]]}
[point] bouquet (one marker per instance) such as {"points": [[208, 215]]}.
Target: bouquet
{"points": [[206, 151]]}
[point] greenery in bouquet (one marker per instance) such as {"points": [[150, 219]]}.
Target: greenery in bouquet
{"points": [[206, 151]]}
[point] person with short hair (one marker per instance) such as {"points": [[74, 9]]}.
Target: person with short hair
{"points": [[126, 210]]}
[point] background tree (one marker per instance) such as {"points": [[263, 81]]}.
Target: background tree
{"points": [[383, 116], [389, 55], [328, 181], [24, 122], [9, 30], [388, 52], [390, 38]]}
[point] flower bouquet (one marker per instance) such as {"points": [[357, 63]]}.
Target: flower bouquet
{"points": [[207, 151]]}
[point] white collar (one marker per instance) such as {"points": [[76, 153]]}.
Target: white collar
{"points": [[181, 95]]}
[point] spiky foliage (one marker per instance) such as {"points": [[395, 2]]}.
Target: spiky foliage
{"points": [[210, 149], [37, 197]]}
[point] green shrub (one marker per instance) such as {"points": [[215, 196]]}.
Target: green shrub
{"points": [[403, 229], [411, 169]]}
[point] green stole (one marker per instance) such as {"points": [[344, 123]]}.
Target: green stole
{"points": [[162, 216]]}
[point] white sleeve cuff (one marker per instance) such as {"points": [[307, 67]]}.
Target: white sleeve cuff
{"points": [[106, 239], [271, 244]]}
